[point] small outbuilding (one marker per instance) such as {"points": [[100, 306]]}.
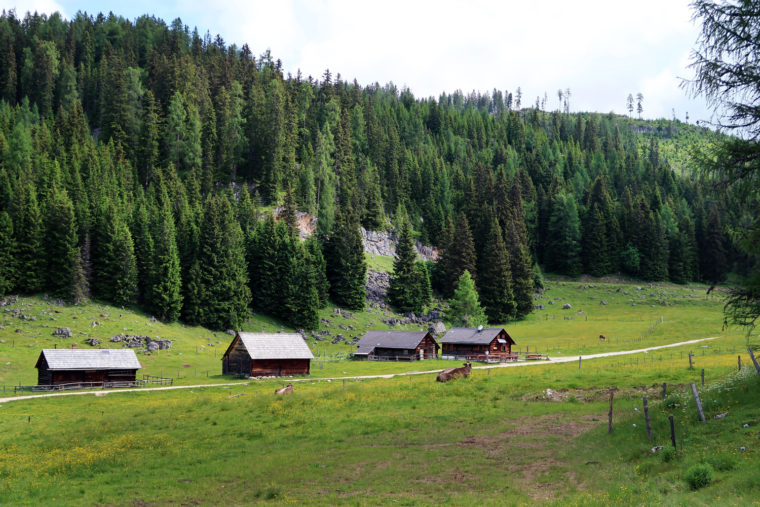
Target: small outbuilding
{"points": [[397, 346], [477, 344], [267, 355], [71, 366]]}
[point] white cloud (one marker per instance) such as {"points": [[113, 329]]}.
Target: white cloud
{"points": [[39, 6]]}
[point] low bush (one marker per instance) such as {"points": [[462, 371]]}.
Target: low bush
{"points": [[699, 476]]}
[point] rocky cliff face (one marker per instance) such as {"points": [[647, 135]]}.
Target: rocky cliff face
{"points": [[384, 243]]}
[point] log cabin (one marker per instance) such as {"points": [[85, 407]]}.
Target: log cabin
{"points": [[65, 366], [478, 344], [397, 346], [267, 355]]}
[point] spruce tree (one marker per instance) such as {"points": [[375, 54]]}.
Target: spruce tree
{"points": [[458, 256], [318, 273], [714, 265], [144, 248], [220, 284], [61, 245], [346, 267], [495, 277], [7, 258], [409, 285], [521, 263], [465, 307], [564, 243], [166, 288], [27, 228], [301, 296]]}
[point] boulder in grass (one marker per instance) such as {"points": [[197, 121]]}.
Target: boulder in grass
{"points": [[63, 332], [567, 306]]}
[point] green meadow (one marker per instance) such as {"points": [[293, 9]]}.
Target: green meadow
{"points": [[507, 435]]}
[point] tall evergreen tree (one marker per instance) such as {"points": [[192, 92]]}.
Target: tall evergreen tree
{"points": [[61, 245], [409, 285], [221, 283], [465, 306], [7, 258], [27, 222], [458, 256], [564, 242], [495, 277], [166, 287], [346, 267]]}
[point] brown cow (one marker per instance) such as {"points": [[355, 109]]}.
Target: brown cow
{"points": [[602, 337], [452, 373], [284, 390]]}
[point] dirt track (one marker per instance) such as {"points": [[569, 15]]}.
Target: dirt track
{"points": [[562, 359]]}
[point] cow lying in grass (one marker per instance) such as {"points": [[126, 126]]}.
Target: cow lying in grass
{"points": [[453, 373], [602, 337], [284, 390]]}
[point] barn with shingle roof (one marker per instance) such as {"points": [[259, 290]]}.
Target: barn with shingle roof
{"points": [[65, 366], [267, 355], [397, 346]]}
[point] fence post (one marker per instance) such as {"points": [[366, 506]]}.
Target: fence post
{"points": [[580, 360], [646, 417], [739, 358], [664, 390], [703, 377], [672, 431], [609, 427], [691, 364], [752, 356], [696, 399]]}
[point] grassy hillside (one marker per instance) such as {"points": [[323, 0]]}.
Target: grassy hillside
{"points": [[631, 319]]}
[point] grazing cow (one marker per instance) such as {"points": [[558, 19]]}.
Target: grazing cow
{"points": [[284, 390], [453, 373], [602, 337]]}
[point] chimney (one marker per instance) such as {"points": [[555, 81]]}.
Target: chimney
{"points": [[480, 328]]}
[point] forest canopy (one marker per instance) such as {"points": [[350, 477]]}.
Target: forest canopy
{"points": [[139, 162]]}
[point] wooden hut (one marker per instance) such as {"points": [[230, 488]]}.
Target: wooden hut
{"points": [[397, 346], [477, 344], [70, 366], [267, 355]]}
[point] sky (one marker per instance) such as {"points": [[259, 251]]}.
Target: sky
{"points": [[601, 50]]}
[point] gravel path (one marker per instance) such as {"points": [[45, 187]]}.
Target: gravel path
{"points": [[561, 359]]}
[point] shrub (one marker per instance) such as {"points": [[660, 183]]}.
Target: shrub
{"points": [[699, 476], [673, 401], [668, 454]]}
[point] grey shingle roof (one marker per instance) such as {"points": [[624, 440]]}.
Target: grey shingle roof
{"points": [[389, 340], [470, 335], [276, 346], [98, 359]]}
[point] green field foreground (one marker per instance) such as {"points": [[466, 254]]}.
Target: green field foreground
{"points": [[498, 437]]}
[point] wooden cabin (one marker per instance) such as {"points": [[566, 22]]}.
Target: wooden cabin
{"points": [[70, 366], [477, 344], [267, 355], [397, 346]]}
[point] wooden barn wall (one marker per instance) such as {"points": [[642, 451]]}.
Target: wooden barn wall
{"points": [[237, 361], [280, 367]]}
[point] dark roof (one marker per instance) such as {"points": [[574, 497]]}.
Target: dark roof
{"points": [[97, 359], [471, 335], [275, 346], [389, 340]]}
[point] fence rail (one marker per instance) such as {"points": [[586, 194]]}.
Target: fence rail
{"points": [[80, 385]]}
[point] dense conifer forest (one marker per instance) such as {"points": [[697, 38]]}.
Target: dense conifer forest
{"points": [[140, 163]]}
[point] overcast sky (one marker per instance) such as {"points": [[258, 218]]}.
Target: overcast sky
{"points": [[601, 49]]}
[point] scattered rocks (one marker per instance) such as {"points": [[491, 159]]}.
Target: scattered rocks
{"points": [[63, 332], [539, 307], [550, 302], [95, 323], [93, 342], [230, 332], [567, 306], [437, 327], [337, 339], [721, 416], [656, 448], [603, 302]]}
